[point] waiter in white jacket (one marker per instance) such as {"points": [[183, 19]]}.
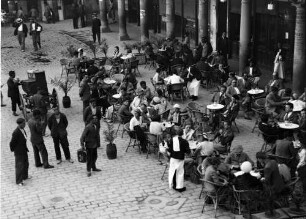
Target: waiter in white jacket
{"points": [[194, 77], [177, 148]]}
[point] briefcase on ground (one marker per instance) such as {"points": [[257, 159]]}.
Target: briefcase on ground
{"points": [[81, 153]]}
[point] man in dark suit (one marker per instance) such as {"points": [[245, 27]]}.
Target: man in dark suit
{"points": [[85, 92], [96, 24], [57, 124], [90, 140], [221, 97], [289, 115], [36, 126], [13, 91], [223, 46], [18, 145], [40, 103]]}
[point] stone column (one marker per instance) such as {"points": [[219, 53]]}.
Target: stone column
{"points": [[203, 19], [122, 21], [103, 14], [213, 23], [298, 77], [170, 14], [144, 31], [245, 33]]}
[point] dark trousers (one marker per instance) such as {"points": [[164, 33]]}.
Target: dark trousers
{"points": [[21, 167], [141, 136], [302, 174], [92, 156], [85, 104], [96, 34], [65, 145], [83, 21], [21, 39], [14, 102], [75, 21], [40, 148], [35, 39]]}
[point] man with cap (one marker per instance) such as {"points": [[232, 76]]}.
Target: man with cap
{"points": [[177, 148], [13, 91], [90, 140], [18, 145], [57, 124], [36, 126], [175, 117], [96, 24], [21, 31], [93, 110], [35, 29]]}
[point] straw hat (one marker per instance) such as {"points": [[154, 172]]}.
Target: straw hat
{"points": [[176, 106], [246, 167]]}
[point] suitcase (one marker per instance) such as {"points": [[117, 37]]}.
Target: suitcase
{"points": [[81, 154]]}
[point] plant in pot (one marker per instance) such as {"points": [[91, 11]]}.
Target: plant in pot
{"points": [[104, 46], [64, 85], [110, 136]]}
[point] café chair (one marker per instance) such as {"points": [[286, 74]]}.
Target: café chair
{"points": [[134, 67], [152, 143], [177, 89], [122, 121], [214, 196], [165, 115], [258, 107], [133, 137]]}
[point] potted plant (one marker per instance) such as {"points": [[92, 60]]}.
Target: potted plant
{"points": [[110, 136], [65, 85], [104, 46]]}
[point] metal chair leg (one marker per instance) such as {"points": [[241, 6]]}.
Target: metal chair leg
{"points": [[164, 171], [128, 145], [118, 128]]}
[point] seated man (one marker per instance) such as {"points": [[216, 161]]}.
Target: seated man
{"points": [[232, 108], [236, 157], [175, 116], [177, 60], [204, 149], [232, 76], [254, 72], [225, 136], [92, 69], [138, 100], [222, 73], [158, 107], [285, 94], [274, 82], [285, 150], [124, 112], [188, 133], [233, 89], [273, 103], [173, 79], [221, 97], [270, 132], [289, 115], [136, 125], [146, 90]]}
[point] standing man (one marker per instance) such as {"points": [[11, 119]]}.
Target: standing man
{"points": [[36, 128], [85, 92], [75, 15], [89, 140], [57, 124], [18, 145], [83, 15], [21, 31], [223, 46], [177, 149], [40, 104], [96, 24], [13, 91], [35, 29]]}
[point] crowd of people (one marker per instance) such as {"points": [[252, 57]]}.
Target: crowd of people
{"points": [[188, 143]]}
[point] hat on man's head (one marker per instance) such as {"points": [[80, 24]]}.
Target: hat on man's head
{"points": [[177, 106], [246, 167], [19, 20], [156, 99], [205, 135], [237, 149], [20, 120], [80, 49], [137, 110]]}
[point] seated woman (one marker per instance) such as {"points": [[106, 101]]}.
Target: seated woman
{"points": [[226, 136], [156, 127], [136, 125], [211, 175], [175, 116], [117, 54], [188, 133], [236, 157], [163, 101]]}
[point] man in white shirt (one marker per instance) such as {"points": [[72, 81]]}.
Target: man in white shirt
{"points": [[136, 125], [35, 29], [156, 127], [139, 99], [21, 31]]}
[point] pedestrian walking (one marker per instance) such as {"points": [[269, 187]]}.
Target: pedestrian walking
{"points": [[57, 124], [39, 102], [13, 91], [21, 31], [85, 92], [96, 24], [89, 140], [83, 15], [18, 145], [35, 30], [75, 15], [36, 125]]}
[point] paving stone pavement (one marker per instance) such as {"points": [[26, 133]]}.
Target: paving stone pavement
{"points": [[124, 186]]}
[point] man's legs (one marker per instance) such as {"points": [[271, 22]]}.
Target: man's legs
{"points": [[21, 39], [14, 102], [38, 39], [65, 146], [99, 37], [36, 156], [89, 152], [26, 166], [19, 167], [94, 157], [94, 36], [34, 38], [44, 154], [56, 141]]}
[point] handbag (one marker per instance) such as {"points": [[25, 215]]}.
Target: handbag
{"points": [[82, 156]]}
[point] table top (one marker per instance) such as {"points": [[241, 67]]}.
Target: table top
{"points": [[193, 145], [126, 57], [288, 125], [298, 105], [215, 106], [109, 81], [255, 91], [117, 96]]}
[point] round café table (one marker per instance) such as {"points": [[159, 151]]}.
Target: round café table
{"points": [[116, 96], [255, 91], [298, 105], [109, 81], [288, 125], [215, 106]]}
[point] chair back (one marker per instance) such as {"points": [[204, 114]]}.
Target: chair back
{"points": [[132, 134], [151, 138], [134, 64], [259, 103], [177, 87], [165, 114]]}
